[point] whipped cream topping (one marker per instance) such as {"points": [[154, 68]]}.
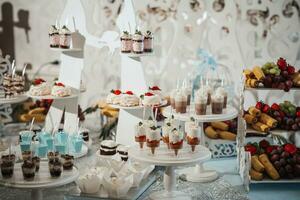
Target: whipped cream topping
{"points": [[109, 143], [53, 30], [180, 96], [166, 130], [42, 89], [129, 100], [217, 97], [151, 100], [175, 136], [221, 91], [206, 88], [187, 90], [157, 92], [60, 91], [64, 31], [201, 96], [190, 125], [122, 148], [152, 135], [140, 130]]}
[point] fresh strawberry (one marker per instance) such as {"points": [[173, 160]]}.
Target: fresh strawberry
{"points": [[275, 106], [59, 84], [252, 149], [129, 92], [154, 88], [38, 81], [264, 144], [290, 69], [281, 62], [259, 105], [266, 108], [116, 92], [298, 113], [290, 148], [269, 149], [148, 94]]}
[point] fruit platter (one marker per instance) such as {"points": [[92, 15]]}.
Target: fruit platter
{"points": [[271, 75], [264, 118], [274, 163]]}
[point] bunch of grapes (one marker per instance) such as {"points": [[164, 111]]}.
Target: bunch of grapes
{"points": [[278, 75], [286, 159]]}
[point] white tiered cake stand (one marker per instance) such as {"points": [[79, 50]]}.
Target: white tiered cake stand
{"points": [[198, 173], [41, 180], [166, 157], [17, 99]]}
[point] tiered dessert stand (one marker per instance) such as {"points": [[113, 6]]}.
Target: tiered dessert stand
{"points": [[41, 180], [165, 157], [197, 173]]}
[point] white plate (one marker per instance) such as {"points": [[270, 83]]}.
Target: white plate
{"points": [[228, 113], [74, 94], [166, 157], [42, 179], [11, 100], [164, 102]]}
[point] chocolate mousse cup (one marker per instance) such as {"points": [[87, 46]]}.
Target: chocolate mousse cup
{"points": [[36, 160], [217, 106], [7, 166], [28, 169], [200, 108], [55, 168], [172, 102], [180, 106]]}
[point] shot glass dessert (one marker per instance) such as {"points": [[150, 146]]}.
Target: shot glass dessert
{"points": [[217, 104], [52, 155], [180, 102], [36, 160], [126, 42], [172, 97], [192, 134], [140, 134], [55, 167], [148, 42], [138, 42], [54, 36], [207, 89], [223, 92], [26, 155], [28, 169], [188, 93], [175, 140], [166, 129], [68, 161], [123, 152], [7, 165], [64, 38], [201, 102], [153, 138]]}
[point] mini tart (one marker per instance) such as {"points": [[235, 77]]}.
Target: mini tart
{"points": [[108, 148]]}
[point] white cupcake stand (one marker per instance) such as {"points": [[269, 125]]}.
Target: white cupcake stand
{"points": [[166, 157], [198, 173], [41, 180]]}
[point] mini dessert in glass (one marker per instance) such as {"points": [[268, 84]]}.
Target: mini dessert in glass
{"points": [[126, 42], [55, 167], [206, 89], [68, 161], [217, 104], [52, 155], [26, 155], [85, 134], [36, 160], [28, 169], [180, 102], [129, 99], [166, 129], [54, 37], [223, 92], [172, 97], [7, 165], [175, 140], [192, 134], [140, 134], [188, 93], [148, 42], [200, 102], [123, 152], [64, 38], [108, 148], [114, 97], [138, 42], [153, 138]]}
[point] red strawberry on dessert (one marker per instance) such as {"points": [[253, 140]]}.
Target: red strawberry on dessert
{"points": [[298, 113], [59, 84], [149, 94], [116, 92], [129, 92], [281, 62], [266, 108], [154, 88], [252, 149], [38, 81], [259, 105], [275, 106], [290, 148], [290, 69]]}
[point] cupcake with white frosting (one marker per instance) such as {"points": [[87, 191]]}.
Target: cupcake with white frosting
{"points": [[114, 97], [201, 102], [148, 42], [64, 38], [126, 42], [129, 99], [150, 99], [223, 92], [180, 102], [192, 131], [54, 36], [175, 140], [217, 103], [40, 88], [153, 138], [60, 90], [138, 42], [140, 134]]}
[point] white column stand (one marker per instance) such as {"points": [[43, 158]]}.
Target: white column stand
{"points": [[36, 194]]}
